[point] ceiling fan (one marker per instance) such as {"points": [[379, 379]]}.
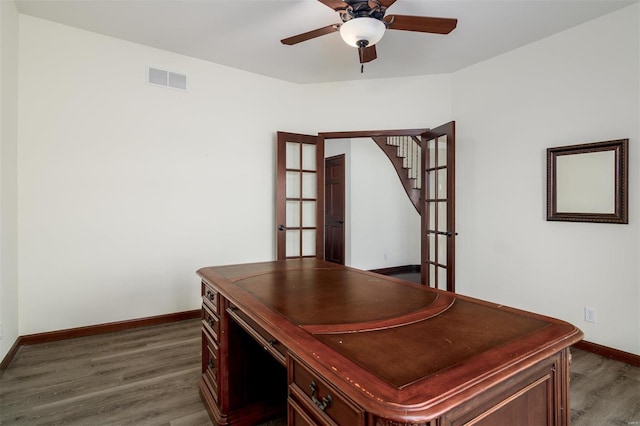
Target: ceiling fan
{"points": [[364, 23]]}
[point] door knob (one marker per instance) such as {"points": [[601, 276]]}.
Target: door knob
{"points": [[281, 228]]}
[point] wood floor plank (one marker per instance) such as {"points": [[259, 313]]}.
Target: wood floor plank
{"points": [[200, 418], [42, 383], [152, 401], [119, 390], [141, 376], [149, 376], [603, 391], [147, 348]]}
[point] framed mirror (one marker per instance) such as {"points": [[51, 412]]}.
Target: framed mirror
{"points": [[588, 182]]}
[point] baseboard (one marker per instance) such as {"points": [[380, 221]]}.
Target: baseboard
{"points": [[91, 330], [9, 356], [615, 354], [397, 270]]}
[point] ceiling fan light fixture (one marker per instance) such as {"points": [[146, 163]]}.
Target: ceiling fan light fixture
{"points": [[356, 30]]}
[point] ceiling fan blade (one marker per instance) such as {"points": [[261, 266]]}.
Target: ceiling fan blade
{"points": [[310, 34], [423, 24], [335, 4], [368, 54]]}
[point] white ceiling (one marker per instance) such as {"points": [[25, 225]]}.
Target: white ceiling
{"points": [[246, 34]]}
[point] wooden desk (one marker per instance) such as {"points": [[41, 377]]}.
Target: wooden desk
{"points": [[335, 345]]}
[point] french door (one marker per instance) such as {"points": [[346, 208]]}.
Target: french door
{"points": [[300, 196], [438, 208], [300, 199]]}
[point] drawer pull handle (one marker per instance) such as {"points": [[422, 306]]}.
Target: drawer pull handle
{"points": [[211, 322], [210, 295], [322, 404], [212, 363]]}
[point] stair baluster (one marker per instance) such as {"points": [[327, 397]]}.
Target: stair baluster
{"points": [[405, 155]]}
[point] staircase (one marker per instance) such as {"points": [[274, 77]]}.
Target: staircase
{"points": [[406, 155]]}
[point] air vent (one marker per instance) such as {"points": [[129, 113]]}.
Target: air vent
{"points": [[164, 78]]}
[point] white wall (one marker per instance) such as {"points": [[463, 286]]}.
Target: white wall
{"points": [[382, 227], [385, 225], [395, 103], [8, 175], [575, 87], [125, 188]]}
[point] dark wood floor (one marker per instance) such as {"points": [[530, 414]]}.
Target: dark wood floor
{"points": [[149, 376], [603, 392]]}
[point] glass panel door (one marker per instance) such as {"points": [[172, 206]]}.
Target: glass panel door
{"points": [[438, 208], [300, 170]]}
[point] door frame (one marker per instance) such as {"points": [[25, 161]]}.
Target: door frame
{"points": [[367, 134], [423, 133]]}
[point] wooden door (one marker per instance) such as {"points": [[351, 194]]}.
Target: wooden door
{"points": [[334, 212], [299, 196], [438, 209]]}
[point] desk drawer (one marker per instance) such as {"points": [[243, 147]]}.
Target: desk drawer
{"points": [[298, 416], [321, 399], [210, 297], [210, 364], [210, 322]]}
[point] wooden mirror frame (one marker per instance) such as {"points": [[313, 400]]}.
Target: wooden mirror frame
{"points": [[620, 189]]}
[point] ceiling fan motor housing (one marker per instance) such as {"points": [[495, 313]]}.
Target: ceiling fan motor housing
{"points": [[359, 8]]}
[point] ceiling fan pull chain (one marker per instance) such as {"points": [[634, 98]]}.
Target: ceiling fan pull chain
{"points": [[362, 44]]}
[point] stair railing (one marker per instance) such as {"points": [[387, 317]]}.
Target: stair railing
{"points": [[406, 157]]}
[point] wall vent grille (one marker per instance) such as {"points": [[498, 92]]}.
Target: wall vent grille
{"points": [[164, 78]]}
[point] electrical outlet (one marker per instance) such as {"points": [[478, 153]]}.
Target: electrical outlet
{"points": [[590, 314]]}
